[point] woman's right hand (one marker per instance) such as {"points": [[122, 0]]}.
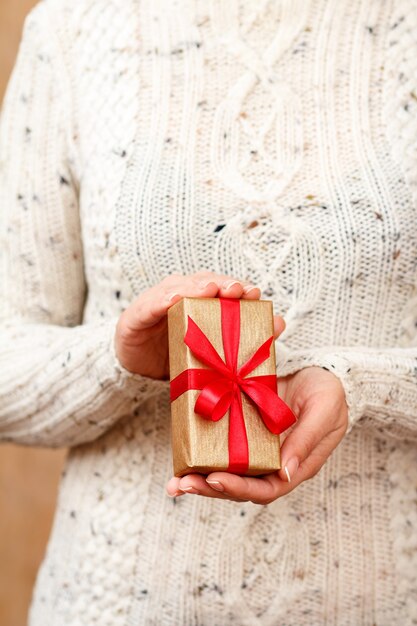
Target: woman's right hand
{"points": [[141, 340]]}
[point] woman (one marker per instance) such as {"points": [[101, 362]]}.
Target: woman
{"points": [[152, 150]]}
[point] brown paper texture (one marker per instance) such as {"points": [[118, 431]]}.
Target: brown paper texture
{"points": [[200, 445]]}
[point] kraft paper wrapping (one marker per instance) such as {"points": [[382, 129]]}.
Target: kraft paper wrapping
{"points": [[200, 445]]}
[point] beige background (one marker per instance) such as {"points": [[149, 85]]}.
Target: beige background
{"points": [[28, 477]]}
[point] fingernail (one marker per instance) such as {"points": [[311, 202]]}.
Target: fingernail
{"points": [[205, 284], [189, 490], [176, 494], [249, 288], [172, 296], [227, 285], [215, 484], [291, 467]]}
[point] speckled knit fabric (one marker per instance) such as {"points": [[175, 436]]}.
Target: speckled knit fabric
{"points": [[272, 141]]}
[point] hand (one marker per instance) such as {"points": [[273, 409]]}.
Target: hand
{"points": [[317, 397], [141, 340]]}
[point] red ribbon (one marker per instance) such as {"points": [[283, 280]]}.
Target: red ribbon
{"points": [[223, 383]]}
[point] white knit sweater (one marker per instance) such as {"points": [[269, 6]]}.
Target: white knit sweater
{"points": [[275, 141]]}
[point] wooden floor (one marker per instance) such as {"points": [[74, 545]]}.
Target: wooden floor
{"points": [[28, 477]]}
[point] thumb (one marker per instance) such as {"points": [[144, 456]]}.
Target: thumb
{"points": [[298, 445]]}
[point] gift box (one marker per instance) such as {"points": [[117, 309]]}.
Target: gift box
{"points": [[226, 414]]}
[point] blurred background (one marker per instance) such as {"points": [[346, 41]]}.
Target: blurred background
{"points": [[28, 477]]}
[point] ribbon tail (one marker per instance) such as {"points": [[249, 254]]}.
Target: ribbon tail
{"points": [[261, 354], [193, 378], [202, 347]]}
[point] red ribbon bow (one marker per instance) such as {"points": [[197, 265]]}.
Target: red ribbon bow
{"points": [[223, 383]]}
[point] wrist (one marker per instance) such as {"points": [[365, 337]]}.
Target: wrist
{"points": [[132, 381]]}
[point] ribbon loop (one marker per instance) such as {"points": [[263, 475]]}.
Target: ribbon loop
{"points": [[214, 400]]}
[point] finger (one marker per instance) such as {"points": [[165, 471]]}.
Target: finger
{"points": [[223, 286], [306, 435], [310, 467], [172, 487], [251, 292], [233, 287], [229, 285], [279, 325], [196, 484], [259, 489], [153, 305], [263, 490]]}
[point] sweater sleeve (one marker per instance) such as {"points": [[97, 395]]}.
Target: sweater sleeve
{"points": [[60, 381], [380, 384]]}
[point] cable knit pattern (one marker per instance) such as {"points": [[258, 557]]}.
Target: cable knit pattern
{"points": [[274, 141]]}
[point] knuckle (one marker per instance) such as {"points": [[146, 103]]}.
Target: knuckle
{"points": [[312, 472], [142, 316], [171, 278], [206, 277], [307, 443], [304, 449], [124, 332], [256, 501], [263, 501], [270, 496], [138, 312]]}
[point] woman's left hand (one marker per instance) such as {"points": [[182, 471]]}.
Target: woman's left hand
{"points": [[317, 397]]}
